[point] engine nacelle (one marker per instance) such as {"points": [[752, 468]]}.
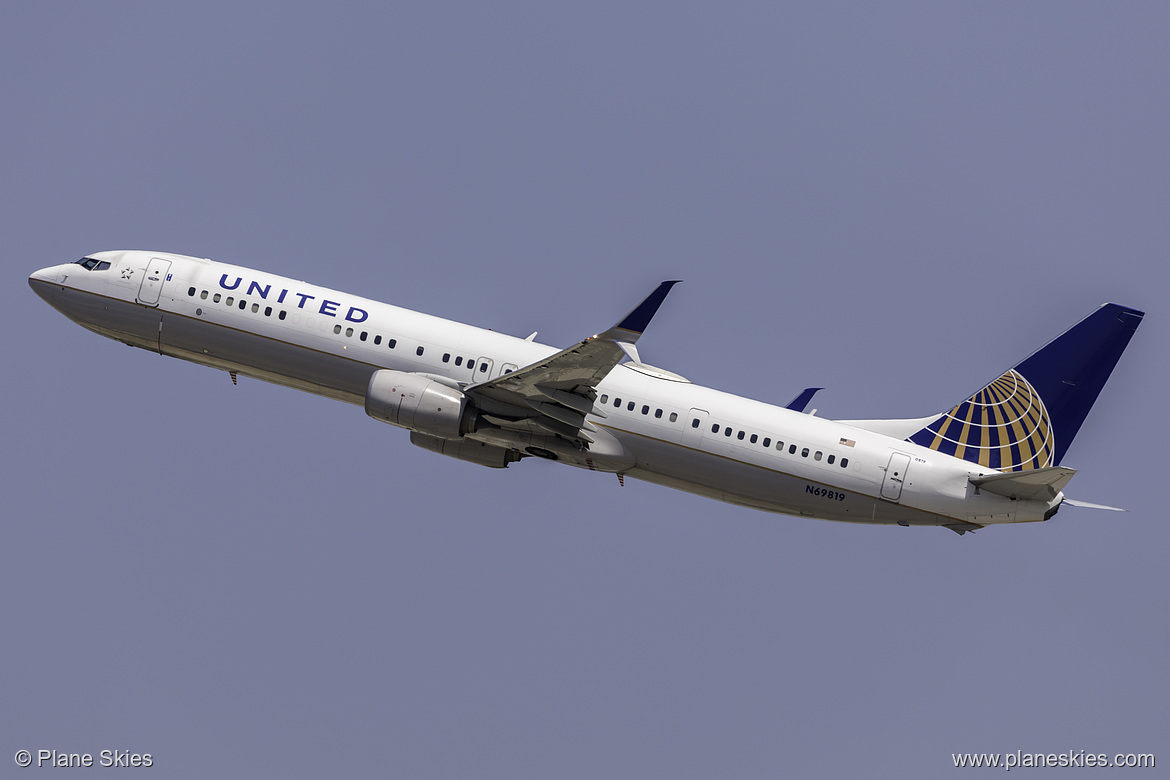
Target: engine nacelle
{"points": [[466, 449], [420, 404]]}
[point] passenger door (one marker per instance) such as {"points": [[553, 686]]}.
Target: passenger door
{"points": [[153, 280], [895, 476]]}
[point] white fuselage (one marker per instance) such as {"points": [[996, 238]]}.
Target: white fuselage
{"points": [[327, 342]]}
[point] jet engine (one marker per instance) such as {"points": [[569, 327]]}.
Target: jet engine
{"points": [[436, 414], [467, 449], [419, 403]]}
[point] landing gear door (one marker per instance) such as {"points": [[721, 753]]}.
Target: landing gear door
{"points": [[895, 476], [152, 281]]}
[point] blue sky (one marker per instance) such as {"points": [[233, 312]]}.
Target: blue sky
{"points": [[894, 202]]}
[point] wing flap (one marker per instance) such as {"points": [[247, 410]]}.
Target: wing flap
{"points": [[555, 394]]}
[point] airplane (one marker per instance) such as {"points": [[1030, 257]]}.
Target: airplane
{"points": [[493, 399]]}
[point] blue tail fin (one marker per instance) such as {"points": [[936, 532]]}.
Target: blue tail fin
{"points": [[1027, 418]]}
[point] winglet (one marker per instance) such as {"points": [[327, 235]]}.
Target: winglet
{"points": [[799, 403], [636, 321]]}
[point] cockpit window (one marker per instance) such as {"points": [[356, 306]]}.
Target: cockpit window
{"points": [[91, 264]]}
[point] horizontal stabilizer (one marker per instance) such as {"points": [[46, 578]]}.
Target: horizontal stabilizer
{"points": [[1087, 505], [1033, 485]]}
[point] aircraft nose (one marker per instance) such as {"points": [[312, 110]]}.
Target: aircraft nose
{"points": [[43, 282]]}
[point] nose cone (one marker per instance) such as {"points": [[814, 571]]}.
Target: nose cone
{"points": [[43, 282]]}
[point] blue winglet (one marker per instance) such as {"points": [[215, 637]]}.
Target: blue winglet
{"points": [[801, 401], [637, 320]]}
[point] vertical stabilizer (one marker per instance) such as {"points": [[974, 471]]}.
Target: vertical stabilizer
{"points": [[1028, 417]]}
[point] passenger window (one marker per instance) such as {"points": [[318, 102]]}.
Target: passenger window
{"points": [[363, 336], [255, 307], [483, 368], [337, 330], [191, 291], [630, 406], [804, 452], [459, 360], [715, 428], [392, 343], [282, 314], [243, 304], [674, 416], [830, 459], [267, 311], [377, 339], [658, 414], [471, 364], [817, 455], [695, 423], [419, 351], [844, 463], [767, 442], [215, 298], [754, 438], [349, 333], [740, 436], [617, 402], [203, 295], [727, 431], [604, 399], [645, 409], [446, 357], [791, 449]]}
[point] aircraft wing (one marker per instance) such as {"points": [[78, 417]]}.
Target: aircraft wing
{"points": [[552, 396]]}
